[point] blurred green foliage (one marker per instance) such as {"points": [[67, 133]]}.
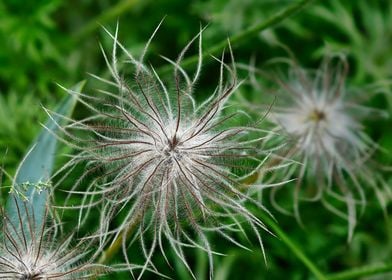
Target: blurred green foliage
{"points": [[29, 48], [19, 122], [44, 42]]}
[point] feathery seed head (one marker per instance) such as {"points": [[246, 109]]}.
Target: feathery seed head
{"points": [[31, 253], [319, 119], [325, 135], [164, 160]]}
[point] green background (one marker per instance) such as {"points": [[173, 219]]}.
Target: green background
{"points": [[48, 42]]}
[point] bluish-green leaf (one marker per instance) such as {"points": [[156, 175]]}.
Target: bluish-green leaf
{"points": [[36, 168]]}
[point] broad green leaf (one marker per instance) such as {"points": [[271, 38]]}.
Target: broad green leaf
{"points": [[35, 170]]}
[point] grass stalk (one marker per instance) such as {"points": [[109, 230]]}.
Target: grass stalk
{"points": [[115, 246], [242, 36], [363, 271], [110, 14], [271, 224]]}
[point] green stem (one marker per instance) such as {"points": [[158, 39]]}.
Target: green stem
{"points": [[356, 273], [112, 250], [108, 15], [292, 246], [243, 36]]}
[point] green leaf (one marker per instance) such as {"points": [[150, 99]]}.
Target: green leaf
{"points": [[36, 168]]}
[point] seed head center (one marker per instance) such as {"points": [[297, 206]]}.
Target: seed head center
{"points": [[172, 149], [30, 276], [317, 115]]}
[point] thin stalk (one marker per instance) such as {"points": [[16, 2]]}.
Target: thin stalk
{"points": [[110, 252], [356, 273], [113, 249], [108, 15], [292, 246], [242, 36]]}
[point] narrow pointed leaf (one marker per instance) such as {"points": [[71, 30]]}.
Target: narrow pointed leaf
{"points": [[35, 169]]}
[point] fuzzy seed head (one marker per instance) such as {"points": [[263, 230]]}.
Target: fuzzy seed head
{"points": [[30, 269], [324, 132], [166, 162], [31, 252], [321, 124]]}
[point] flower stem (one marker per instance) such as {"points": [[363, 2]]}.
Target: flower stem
{"points": [[108, 15], [242, 36], [292, 246], [112, 250], [356, 273]]}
